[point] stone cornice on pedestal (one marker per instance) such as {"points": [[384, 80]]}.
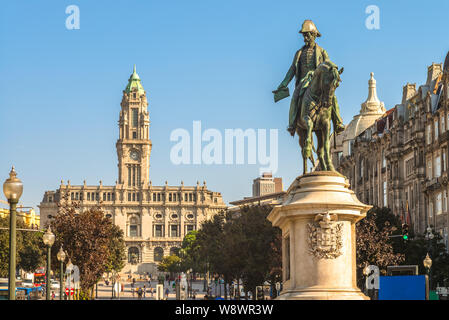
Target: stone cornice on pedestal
{"points": [[316, 193]]}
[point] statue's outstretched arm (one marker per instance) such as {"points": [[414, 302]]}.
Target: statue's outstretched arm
{"points": [[290, 73]]}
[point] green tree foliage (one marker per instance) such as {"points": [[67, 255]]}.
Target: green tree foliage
{"points": [[170, 264], [417, 249], [245, 246], [90, 240], [117, 250], [373, 242], [29, 245]]}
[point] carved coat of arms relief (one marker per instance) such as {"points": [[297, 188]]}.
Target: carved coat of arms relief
{"points": [[325, 236]]}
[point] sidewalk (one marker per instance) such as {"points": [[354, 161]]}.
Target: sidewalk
{"points": [[105, 291]]}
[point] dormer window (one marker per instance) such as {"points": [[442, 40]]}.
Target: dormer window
{"points": [[135, 95]]}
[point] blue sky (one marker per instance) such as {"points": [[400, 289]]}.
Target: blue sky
{"points": [[213, 61]]}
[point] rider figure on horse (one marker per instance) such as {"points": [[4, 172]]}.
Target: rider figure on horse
{"points": [[306, 60]]}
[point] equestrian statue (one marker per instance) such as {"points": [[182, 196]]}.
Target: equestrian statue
{"points": [[313, 105]]}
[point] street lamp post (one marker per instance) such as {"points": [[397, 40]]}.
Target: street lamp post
{"points": [[49, 239], [428, 261], [12, 188], [61, 257], [428, 264]]}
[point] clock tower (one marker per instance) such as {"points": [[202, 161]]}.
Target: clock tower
{"points": [[134, 144]]}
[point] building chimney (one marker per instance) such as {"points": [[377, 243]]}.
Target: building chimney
{"points": [[433, 72], [408, 91]]}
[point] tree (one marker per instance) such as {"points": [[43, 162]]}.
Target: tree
{"points": [[261, 243], [170, 264], [90, 240], [30, 254], [374, 246], [117, 250], [417, 249]]}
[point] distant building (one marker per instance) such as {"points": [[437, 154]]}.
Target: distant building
{"points": [[266, 184], [266, 191], [399, 158], [29, 217], [154, 219]]}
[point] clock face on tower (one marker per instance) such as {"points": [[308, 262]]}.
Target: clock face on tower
{"points": [[134, 155]]}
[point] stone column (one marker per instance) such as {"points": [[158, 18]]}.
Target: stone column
{"points": [[318, 219]]}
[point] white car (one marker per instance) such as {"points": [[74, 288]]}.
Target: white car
{"points": [[54, 285]]}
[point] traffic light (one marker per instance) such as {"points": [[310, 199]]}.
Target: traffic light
{"points": [[404, 231], [259, 293]]}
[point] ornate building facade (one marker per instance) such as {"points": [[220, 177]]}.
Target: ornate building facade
{"points": [[400, 160], [154, 219]]}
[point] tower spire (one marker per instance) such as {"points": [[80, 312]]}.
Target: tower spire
{"points": [[372, 103]]}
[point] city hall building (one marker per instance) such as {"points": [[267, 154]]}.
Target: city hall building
{"points": [[399, 158], [154, 219]]}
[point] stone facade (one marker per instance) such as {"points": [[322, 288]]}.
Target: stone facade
{"points": [[400, 161], [154, 219]]}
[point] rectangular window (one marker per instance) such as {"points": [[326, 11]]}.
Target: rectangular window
{"points": [[158, 231], [428, 134], [436, 129], [437, 166], [109, 196], [439, 204], [158, 197], [129, 196], [97, 196], [174, 231], [138, 196], [429, 168], [134, 135], [129, 176], [430, 210], [169, 197], [138, 175], [444, 201], [104, 196], [133, 231], [134, 117], [385, 194], [88, 196], [189, 228], [442, 123], [154, 197]]}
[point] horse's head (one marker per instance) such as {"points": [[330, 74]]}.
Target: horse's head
{"points": [[330, 80]]}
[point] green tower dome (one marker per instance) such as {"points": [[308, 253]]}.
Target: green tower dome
{"points": [[134, 83]]}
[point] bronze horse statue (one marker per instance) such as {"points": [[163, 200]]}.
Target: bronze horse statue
{"points": [[315, 114]]}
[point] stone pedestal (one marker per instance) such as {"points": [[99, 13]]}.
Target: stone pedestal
{"points": [[317, 220]]}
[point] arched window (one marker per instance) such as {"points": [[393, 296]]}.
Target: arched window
{"points": [[133, 255], [158, 254], [174, 251]]}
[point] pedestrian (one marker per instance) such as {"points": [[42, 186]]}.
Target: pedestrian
{"points": [[123, 287], [167, 291], [151, 292], [132, 289], [53, 296], [139, 293], [144, 290]]}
